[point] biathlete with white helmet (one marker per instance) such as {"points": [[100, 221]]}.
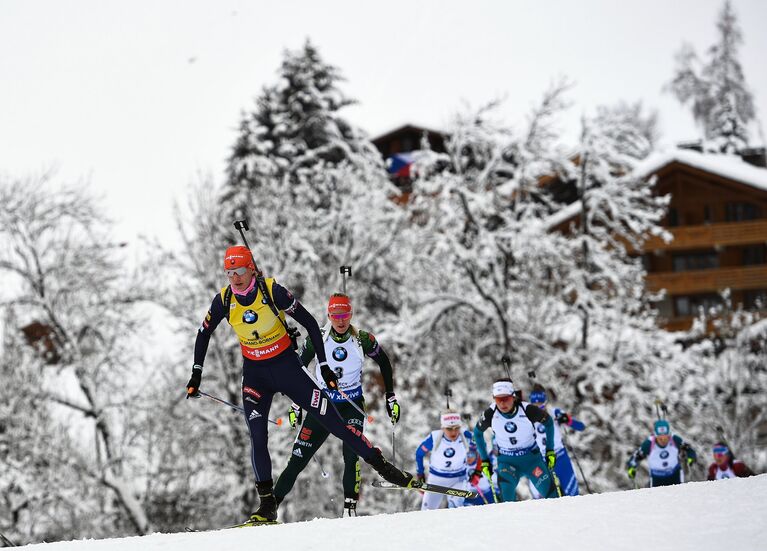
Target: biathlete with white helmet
{"points": [[448, 449], [563, 467], [346, 348], [511, 421], [255, 307], [664, 452]]}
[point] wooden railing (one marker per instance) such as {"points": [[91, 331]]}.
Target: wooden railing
{"points": [[702, 281], [711, 235]]}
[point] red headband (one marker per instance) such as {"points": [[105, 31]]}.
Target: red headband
{"points": [[339, 305]]}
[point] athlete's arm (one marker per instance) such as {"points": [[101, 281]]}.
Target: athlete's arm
{"points": [[482, 425], [538, 415], [209, 324], [373, 350], [285, 301], [425, 447]]}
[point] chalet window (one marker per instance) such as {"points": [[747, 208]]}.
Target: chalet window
{"points": [[673, 217], [691, 304], [696, 261], [754, 254], [755, 299], [740, 212], [707, 215]]}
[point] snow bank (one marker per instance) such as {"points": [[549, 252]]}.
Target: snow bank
{"points": [[727, 514]]}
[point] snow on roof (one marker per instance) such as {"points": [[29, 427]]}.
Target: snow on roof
{"points": [[728, 166]]}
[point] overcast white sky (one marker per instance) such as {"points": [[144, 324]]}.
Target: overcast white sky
{"points": [[139, 97]]}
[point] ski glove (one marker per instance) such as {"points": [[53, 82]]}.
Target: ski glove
{"points": [[193, 386], [474, 478], [631, 471], [330, 378], [421, 477], [563, 419], [690, 461], [392, 407], [551, 459], [295, 415], [487, 470]]}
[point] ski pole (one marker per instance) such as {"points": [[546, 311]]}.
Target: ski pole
{"points": [[575, 457], [557, 485], [235, 407], [492, 486], [480, 492], [393, 447]]}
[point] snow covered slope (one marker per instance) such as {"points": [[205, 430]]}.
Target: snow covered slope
{"points": [[723, 515]]}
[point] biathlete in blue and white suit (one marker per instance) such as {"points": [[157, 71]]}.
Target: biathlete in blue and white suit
{"points": [[563, 467], [664, 452], [448, 449], [518, 454]]}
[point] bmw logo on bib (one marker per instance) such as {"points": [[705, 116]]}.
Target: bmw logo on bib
{"points": [[249, 316], [663, 454], [449, 452], [541, 428], [340, 353], [510, 426]]}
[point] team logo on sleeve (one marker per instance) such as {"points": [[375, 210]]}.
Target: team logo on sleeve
{"points": [[340, 354], [249, 316], [315, 398], [449, 452], [510, 426]]}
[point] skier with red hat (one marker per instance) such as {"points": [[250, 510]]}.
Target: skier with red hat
{"points": [[346, 348], [255, 307]]}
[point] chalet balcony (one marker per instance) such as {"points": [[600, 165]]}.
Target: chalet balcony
{"points": [[711, 235], [709, 281]]}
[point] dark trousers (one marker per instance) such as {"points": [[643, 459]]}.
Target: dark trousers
{"points": [[309, 439], [262, 379], [672, 479]]}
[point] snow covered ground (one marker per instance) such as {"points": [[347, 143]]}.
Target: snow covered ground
{"points": [[723, 515]]}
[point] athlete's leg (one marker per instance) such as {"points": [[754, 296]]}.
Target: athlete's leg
{"points": [[430, 499], [310, 437], [535, 469], [566, 474], [351, 478], [290, 379], [508, 478], [256, 400]]}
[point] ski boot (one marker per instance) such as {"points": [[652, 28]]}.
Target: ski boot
{"points": [[350, 507], [389, 472], [267, 509]]}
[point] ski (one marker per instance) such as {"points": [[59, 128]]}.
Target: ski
{"points": [[425, 487], [246, 524]]}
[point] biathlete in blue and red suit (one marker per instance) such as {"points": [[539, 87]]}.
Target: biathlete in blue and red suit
{"points": [[271, 365]]}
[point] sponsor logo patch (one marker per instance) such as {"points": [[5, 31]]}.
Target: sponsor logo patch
{"points": [[297, 452], [305, 433], [251, 391], [249, 316], [664, 454], [449, 452], [254, 415], [537, 472], [324, 406], [251, 400], [510, 426], [340, 353], [315, 398]]}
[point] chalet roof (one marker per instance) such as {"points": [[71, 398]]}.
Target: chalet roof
{"points": [[404, 128], [727, 166]]}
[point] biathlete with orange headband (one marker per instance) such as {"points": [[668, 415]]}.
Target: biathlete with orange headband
{"points": [[346, 347], [270, 365]]}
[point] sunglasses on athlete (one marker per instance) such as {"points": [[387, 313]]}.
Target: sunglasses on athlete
{"points": [[503, 399], [237, 271], [344, 316]]}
